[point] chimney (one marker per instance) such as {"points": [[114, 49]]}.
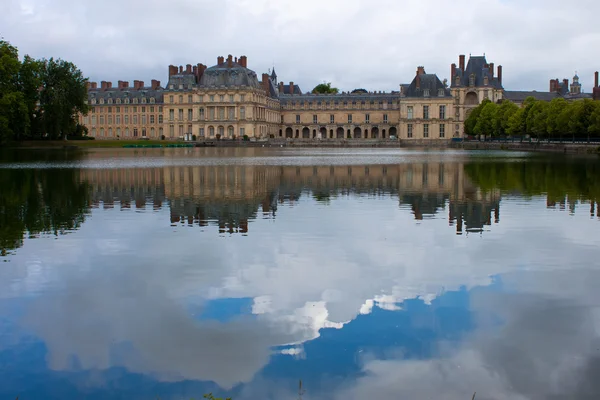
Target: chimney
{"points": [[122, 84], [281, 87], [136, 83], [500, 74], [244, 61], [420, 70], [188, 69], [452, 71], [553, 84], [492, 69], [94, 85], [155, 84], [229, 61], [461, 62], [596, 80], [292, 88], [418, 81], [88, 85], [566, 83], [172, 70], [181, 69], [220, 60], [265, 84], [140, 84], [103, 85]]}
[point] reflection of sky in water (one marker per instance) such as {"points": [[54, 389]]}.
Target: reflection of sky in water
{"points": [[354, 297]]}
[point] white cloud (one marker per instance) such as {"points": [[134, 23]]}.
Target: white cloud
{"points": [[373, 44]]}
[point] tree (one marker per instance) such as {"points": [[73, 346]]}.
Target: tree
{"points": [[485, 122], [503, 114], [516, 123], [471, 120], [325, 88], [554, 110], [62, 97], [536, 123], [13, 109], [594, 128]]}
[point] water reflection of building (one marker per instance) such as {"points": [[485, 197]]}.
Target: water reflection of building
{"points": [[229, 196]]}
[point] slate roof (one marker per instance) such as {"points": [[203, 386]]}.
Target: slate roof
{"points": [[476, 66], [519, 96], [286, 89], [116, 93], [221, 75], [340, 98], [187, 80], [423, 83]]}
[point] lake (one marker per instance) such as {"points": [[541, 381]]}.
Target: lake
{"points": [[362, 273]]}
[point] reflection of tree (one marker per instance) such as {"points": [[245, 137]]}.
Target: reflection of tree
{"points": [[424, 203], [39, 201], [560, 179]]}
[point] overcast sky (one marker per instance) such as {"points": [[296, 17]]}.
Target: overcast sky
{"points": [[373, 44]]}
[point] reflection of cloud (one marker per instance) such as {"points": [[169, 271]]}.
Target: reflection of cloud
{"points": [[544, 348], [309, 269]]}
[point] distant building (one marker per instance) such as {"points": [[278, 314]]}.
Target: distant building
{"points": [[230, 101]]}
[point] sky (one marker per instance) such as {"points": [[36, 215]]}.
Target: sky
{"points": [[371, 44]]}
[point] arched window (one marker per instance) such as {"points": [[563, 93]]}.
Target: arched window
{"points": [[118, 101], [127, 100], [152, 100], [110, 101], [135, 100], [143, 100]]}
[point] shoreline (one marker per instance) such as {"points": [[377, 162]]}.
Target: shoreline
{"points": [[564, 148]]}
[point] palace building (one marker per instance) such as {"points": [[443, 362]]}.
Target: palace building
{"points": [[230, 101]]}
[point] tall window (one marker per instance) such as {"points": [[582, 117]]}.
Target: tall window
{"points": [[221, 98], [160, 132], [152, 119], [190, 98], [442, 112], [180, 98], [135, 119], [349, 118], [211, 113], [190, 114], [211, 131], [297, 118], [171, 114], [242, 132], [180, 116], [118, 119], [110, 119], [385, 118], [314, 119], [212, 97], [242, 98], [222, 131], [231, 113], [242, 112], [425, 130], [425, 112], [367, 118], [126, 119], [118, 132], [201, 114], [221, 113], [152, 131], [332, 119], [126, 132], [135, 132], [409, 130], [144, 119], [409, 112], [171, 130], [442, 130], [160, 118], [201, 132], [102, 120], [231, 98]]}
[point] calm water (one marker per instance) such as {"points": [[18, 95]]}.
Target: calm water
{"points": [[367, 274]]}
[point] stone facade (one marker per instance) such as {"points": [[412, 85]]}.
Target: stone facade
{"points": [[230, 101]]}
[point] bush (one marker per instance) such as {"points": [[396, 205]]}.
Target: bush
{"points": [[246, 138], [218, 136], [162, 137], [194, 138]]}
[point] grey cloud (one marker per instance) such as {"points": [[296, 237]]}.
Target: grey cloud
{"points": [[358, 43]]}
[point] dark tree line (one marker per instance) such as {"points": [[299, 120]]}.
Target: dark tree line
{"points": [[556, 119], [39, 98]]}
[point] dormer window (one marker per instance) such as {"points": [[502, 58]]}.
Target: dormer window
{"points": [[441, 92], [181, 87], [143, 100], [118, 101], [171, 86], [135, 100], [457, 80], [472, 80], [485, 80], [425, 92], [110, 101], [93, 101], [101, 101], [152, 100], [127, 100]]}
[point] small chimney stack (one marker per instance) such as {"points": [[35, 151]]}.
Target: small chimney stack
{"points": [[553, 85], [230, 61], [420, 70], [88, 85], [292, 88], [566, 83], [281, 88], [492, 69], [243, 60], [94, 85], [172, 70], [103, 85], [121, 84], [500, 74], [596, 80], [188, 69], [265, 84], [108, 85], [220, 60], [461, 62], [453, 71], [155, 84]]}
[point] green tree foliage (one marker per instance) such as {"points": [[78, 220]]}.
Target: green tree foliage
{"points": [[325, 88], [39, 98], [539, 119]]}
